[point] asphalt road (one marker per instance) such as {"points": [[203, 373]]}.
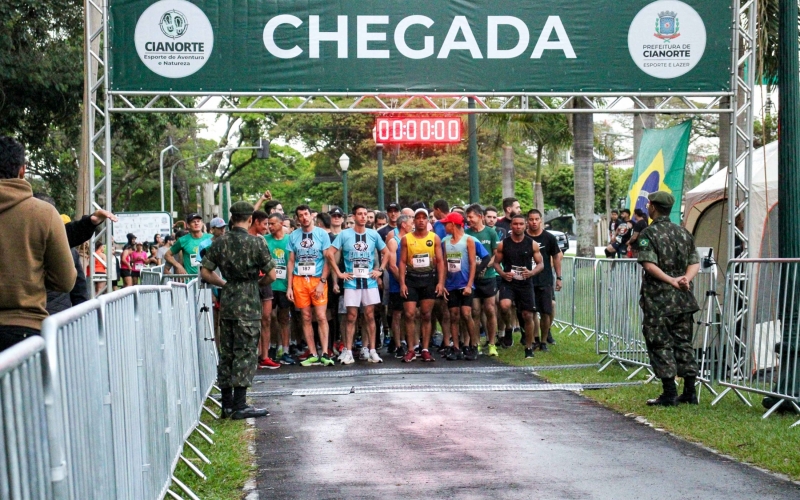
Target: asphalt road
{"points": [[429, 442]]}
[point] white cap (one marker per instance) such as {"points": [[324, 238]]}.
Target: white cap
{"points": [[421, 211]]}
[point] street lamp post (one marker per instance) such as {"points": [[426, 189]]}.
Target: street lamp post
{"points": [[161, 170], [344, 163], [379, 148]]}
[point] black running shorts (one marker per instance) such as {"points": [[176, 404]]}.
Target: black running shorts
{"points": [[485, 288], [456, 298], [520, 294], [544, 299]]}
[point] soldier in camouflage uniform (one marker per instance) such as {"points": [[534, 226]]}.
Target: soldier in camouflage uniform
{"points": [[240, 257], [670, 261]]}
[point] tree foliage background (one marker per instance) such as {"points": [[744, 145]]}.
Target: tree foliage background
{"points": [[41, 92]]}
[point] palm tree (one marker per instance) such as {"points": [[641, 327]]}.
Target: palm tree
{"points": [[583, 137], [546, 133]]}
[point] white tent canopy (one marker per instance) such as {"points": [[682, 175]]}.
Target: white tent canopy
{"points": [[706, 208]]}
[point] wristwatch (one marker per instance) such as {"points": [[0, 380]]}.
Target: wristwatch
{"points": [[558, 277], [323, 280]]}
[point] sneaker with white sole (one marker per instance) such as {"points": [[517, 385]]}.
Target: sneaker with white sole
{"points": [[347, 357], [364, 356], [373, 357]]}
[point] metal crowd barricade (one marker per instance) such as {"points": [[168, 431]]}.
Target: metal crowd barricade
{"points": [[565, 298], [30, 463], [151, 275], [584, 296], [623, 318], [761, 332], [127, 375], [177, 278]]}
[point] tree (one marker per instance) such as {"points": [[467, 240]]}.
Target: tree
{"points": [[582, 126], [41, 84]]}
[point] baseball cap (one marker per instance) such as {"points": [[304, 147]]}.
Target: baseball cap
{"points": [[393, 206], [421, 211], [335, 211], [242, 208], [453, 217], [217, 222], [662, 199], [192, 216], [65, 218]]}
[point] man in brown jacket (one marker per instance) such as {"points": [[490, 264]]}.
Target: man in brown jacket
{"points": [[34, 253]]}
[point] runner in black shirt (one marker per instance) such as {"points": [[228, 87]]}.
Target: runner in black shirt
{"points": [[543, 282], [514, 259]]}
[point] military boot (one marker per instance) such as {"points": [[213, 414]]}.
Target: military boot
{"points": [[670, 395], [241, 410], [227, 402], [689, 395]]}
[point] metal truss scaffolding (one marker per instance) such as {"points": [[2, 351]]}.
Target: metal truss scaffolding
{"points": [[736, 104]]}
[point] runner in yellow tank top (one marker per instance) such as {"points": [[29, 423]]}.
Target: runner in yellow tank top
{"points": [[422, 275], [421, 254]]}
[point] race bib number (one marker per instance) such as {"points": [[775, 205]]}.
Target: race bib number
{"points": [[454, 263], [280, 273], [517, 271], [194, 260], [138, 266], [421, 261], [360, 272], [306, 269]]}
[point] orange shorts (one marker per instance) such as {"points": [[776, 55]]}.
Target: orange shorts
{"points": [[304, 288]]}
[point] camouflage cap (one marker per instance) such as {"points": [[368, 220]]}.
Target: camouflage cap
{"points": [[242, 208], [662, 199]]}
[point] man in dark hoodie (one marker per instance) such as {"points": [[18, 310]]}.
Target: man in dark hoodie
{"points": [[58, 301], [36, 243]]}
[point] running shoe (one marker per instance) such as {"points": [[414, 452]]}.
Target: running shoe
{"points": [[550, 339], [492, 350], [400, 352], [279, 353], [326, 360], [373, 357], [426, 356], [347, 357], [410, 356], [528, 353], [508, 339], [455, 355], [480, 350], [543, 347], [305, 355], [443, 349], [268, 364], [364, 356], [470, 353], [287, 360], [272, 353], [311, 361], [417, 349]]}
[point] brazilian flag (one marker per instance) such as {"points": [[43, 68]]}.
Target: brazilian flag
{"points": [[660, 166]]}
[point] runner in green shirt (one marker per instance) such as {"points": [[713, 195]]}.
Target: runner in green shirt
{"points": [[189, 245], [277, 241], [486, 283]]}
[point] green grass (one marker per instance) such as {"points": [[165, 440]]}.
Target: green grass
{"points": [[729, 427], [231, 462]]}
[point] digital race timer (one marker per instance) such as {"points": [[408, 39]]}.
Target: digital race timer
{"points": [[417, 130]]}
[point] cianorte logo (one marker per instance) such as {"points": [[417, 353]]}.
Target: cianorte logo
{"points": [[676, 44], [165, 43], [667, 26], [173, 24]]}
